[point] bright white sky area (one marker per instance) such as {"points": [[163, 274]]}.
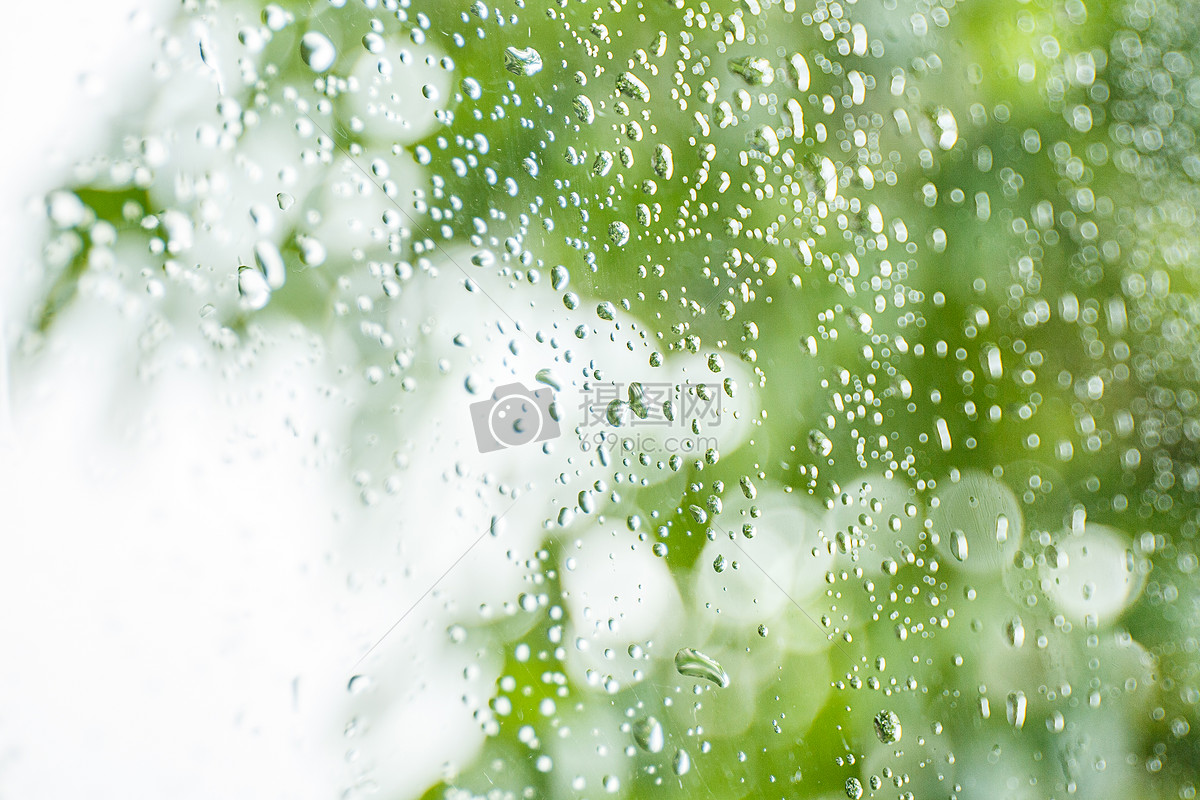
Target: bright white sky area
{"points": [[168, 626]]}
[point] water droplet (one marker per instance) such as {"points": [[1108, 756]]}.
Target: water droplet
{"points": [[887, 727], [694, 664], [312, 252], [1001, 528], [663, 162], [648, 733], [632, 87], [1014, 632], [522, 60], [548, 377], [854, 788], [618, 232], [252, 288], [958, 544], [65, 209], [1015, 709], [317, 51], [584, 109], [637, 400], [819, 443], [682, 762], [471, 88], [559, 278], [270, 263], [799, 71], [617, 413], [603, 164], [373, 43], [754, 70], [748, 487], [483, 258]]}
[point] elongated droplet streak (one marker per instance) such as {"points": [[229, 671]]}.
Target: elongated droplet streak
{"points": [[958, 544], [695, 664], [253, 288], [1015, 709]]}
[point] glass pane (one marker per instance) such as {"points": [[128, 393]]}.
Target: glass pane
{"points": [[769, 398]]}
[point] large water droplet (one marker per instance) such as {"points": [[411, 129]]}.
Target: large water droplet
{"points": [[887, 727], [632, 87], [663, 162], [317, 51], [270, 263], [619, 233], [522, 60], [253, 288], [584, 109], [694, 664], [754, 70]]}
